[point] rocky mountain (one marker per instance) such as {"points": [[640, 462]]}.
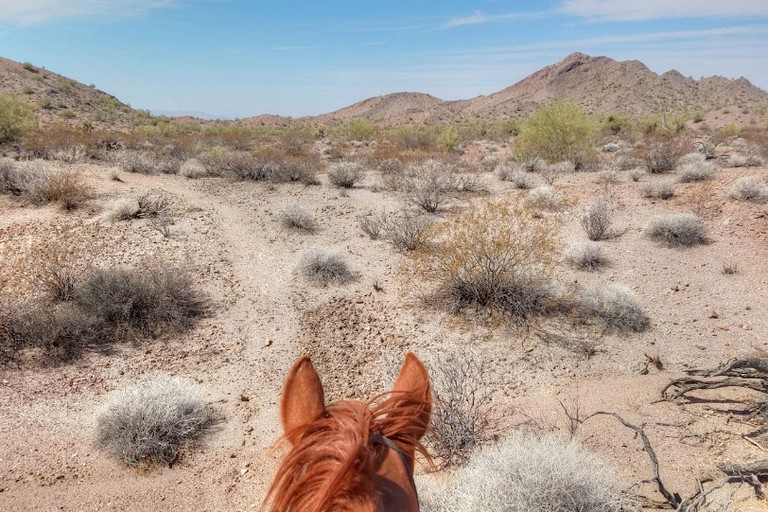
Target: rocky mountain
{"points": [[599, 85], [57, 99]]}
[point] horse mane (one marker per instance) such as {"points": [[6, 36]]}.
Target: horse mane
{"points": [[331, 466]]}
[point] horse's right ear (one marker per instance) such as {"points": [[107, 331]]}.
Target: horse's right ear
{"points": [[303, 400]]}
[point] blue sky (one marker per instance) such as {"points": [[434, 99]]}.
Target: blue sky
{"points": [[237, 58]]}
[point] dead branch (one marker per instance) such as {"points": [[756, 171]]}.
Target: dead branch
{"points": [[673, 499], [737, 368], [686, 385], [756, 468], [747, 373]]}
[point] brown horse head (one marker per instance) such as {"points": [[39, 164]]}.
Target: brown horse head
{"points": [[351, 455]]}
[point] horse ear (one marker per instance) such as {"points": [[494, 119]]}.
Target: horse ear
{"points": [[303, 400], [414, 380]]}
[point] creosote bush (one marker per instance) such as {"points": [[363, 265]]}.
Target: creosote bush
{"points": [[16, 118], [751, 189], [346, 174], [528, 474], [615, 305], [557, 132], [153, 421], [323, 266], [496, 256], [677, 230], [297, 217]]}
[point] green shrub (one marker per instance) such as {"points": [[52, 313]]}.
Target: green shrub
{"points": [[557, 132], [153, 421], [360, 129], [677, 230], [16, 118], [528, 474]]}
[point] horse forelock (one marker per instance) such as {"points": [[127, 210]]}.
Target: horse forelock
{"points": [[331, 467]]}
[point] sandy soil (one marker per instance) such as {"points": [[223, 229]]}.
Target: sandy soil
{"points": [[264, 316]]}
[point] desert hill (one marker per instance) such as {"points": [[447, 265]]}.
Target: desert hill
{"points": [[57, 99], [599, 85]]}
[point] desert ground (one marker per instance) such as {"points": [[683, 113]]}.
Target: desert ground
{"points": [[262, 315]]}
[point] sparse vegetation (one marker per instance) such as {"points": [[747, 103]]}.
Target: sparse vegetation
{"points": [[408, 232], [463, 417], [373, 225], [427, 184], [532, 474], [615, 305], [346, 175], [39, 183], [297, 217], [323, 266], [587, 256], [154, 421], [751, 189], [659, 189], [516, 175], [693, 167], [495, 256], [544, 198], [596, 220], [660, 154], [677, 230]]}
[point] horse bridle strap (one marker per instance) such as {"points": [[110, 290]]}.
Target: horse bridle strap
{"points": [[391, 444]]}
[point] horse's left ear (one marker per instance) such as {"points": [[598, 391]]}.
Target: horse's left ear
{"points": [[303, 399], [414, 380]]}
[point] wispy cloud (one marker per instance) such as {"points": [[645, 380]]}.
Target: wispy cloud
{"points": [[481, 18], [622, 10], [28, 12]]}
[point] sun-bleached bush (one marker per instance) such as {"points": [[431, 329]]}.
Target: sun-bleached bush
{"points": [[193, 169], [297, 217], [586, 256], [408, 232], [323, 266], [123, 208], [427, 184], [694, 167], [544, 198], [677, 230], [751, 189], [659, 189], [519, 177], [528, 474], [153, 421], [39, 183], [615, 305], [660, 154], [140, 162], [373, 225]]}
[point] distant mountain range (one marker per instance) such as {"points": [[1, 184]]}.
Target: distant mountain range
{"points": [[599, 85]]}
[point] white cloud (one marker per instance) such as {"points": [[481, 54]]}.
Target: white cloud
{"points": [[481, 18], [633, 10], [38, 11]]}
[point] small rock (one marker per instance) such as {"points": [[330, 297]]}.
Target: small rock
{"points": [[243, 471]]}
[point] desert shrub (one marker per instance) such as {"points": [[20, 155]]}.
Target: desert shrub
{"points": [[556, 132], [449, 138], [463, 416], [373, 225], [587, 256], [636, 173], [528, 474], [427, 184], [544, 198], [38, 183], [519, 178], [615, 305], [596, 220], [730, 268], [323, 266], [661, 189], [745, 161], [360, 129], [408, 232], [16, 118], [297, 217], [153, 205], [415, 138], [193, 169], [345, 175], [144, 301], [677, 230], [660, 154], [124, 208], [693, 167], [136, 161], [497, 256], [153, 421], [749, 188]]}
